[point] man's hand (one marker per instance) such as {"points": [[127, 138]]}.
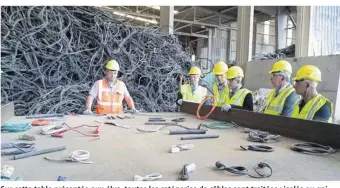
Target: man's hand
{"points": [[180, 101], [87, 112], [225, 108]]}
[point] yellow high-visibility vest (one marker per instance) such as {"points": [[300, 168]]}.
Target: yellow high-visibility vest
{"points": [[310, 108], [220, 98], [238, 98], [274, 105], [195, 97]]}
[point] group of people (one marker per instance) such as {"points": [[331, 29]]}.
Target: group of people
{"points": [[300, 100]]}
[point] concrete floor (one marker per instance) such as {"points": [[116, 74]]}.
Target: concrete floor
{"points": [[120, 154]]}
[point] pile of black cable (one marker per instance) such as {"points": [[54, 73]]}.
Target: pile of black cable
{"points": [[51, 56]]}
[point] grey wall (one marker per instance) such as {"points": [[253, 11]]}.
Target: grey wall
{"points": [[325, 30], [258, 76]]}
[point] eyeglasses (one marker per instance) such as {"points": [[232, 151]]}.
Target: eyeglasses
{"points": [[273, 74], [298, 81], [111, 71]]}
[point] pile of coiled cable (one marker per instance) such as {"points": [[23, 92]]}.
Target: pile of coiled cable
{"points": [[51, 56]]}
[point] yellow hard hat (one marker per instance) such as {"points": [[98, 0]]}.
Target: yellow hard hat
{"points": [[112, 65], [195, 70], [281, 65], [309, 72], [235, 71], [220, 68]]}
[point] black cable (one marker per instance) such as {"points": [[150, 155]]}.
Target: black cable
{"points": [[261, 136], [313, 148], [236, 170], [259, 166], [261, 148], [178, 120], [240, 170]]}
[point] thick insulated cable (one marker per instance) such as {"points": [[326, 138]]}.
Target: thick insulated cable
{"points": [[313, 148]]}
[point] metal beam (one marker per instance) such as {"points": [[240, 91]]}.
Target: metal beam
{"points": [[306, 130], [177, 20], [228, 9], [184, 10], [271, 10], [192, 34], [215, 12], [290, 17], [206, 18]]}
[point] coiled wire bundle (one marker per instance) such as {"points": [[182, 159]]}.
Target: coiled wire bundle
{"points": [[313, 148]]}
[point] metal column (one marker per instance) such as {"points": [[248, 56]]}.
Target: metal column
{"points": [[303, 31], [228, 50], [167, 18], [280, 27], [254, 37], [245, 20], [210, 30]]}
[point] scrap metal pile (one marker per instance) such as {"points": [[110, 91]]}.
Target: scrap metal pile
{"points": [[260, 99], [51, 56], [278, 54]]}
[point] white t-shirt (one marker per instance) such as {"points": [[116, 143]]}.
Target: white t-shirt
{"points": [[94, 89]]}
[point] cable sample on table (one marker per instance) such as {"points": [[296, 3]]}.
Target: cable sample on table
{"points": [[313, 148]]}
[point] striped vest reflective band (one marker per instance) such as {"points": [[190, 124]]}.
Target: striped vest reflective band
{"points": [[195, 97], [310, 108], [109, 102], [220, 98], [274, 105], [238, 98]]}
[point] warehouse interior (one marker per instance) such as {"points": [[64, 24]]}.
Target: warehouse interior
{"points": [[240, 35], [51, 58]]}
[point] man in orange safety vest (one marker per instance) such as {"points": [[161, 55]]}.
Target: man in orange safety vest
{"points": [[109, 93]]}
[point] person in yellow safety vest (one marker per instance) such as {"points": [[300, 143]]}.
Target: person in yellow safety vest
{"points": [[282, 98], [192, 92], [220, 89], [109, 93], [312, 106], [239, 97]]}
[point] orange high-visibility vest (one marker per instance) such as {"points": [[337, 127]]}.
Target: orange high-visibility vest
{"points": [[109, 102]]}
